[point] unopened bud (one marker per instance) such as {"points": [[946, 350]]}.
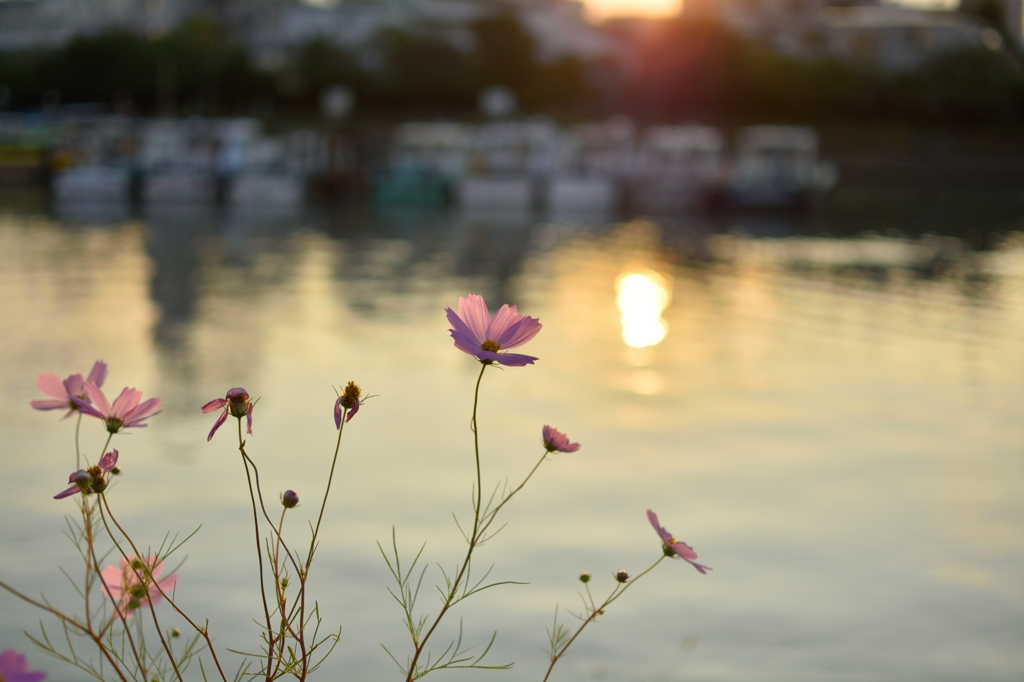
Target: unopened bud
{"points": [[584, 577], [116, 471], [137, 563], [622, 576], [290, 499], [175, 633]]}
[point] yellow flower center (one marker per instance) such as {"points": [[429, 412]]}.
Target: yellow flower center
{"points": [[350, 396], [491, 346], [671, 540]]}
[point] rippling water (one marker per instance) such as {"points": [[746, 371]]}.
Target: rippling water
{"points": [[835, 426]]}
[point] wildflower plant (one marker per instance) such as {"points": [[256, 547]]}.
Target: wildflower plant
{"points": [[130, 615]]}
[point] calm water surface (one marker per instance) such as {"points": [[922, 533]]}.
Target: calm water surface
{"points": [[835, 425]]}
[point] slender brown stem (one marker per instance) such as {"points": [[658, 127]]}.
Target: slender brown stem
{"points": [[259, 549], [95, 566], [201, 630]]}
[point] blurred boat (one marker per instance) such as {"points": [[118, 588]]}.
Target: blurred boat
{"points": [[677, 167], [93, 185], [777, 167]]}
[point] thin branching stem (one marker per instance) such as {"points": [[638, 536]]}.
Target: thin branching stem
{"points": [[473, 538], [204, 631], [259, 549], [68, 621], [595, 611]]}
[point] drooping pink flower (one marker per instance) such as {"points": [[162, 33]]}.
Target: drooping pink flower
{"points": [[673, 547], [124, 413], [136, 583], [63, 392], [348, 400], [555, 440], [236, 403], [14, 668], [94, 479], [482, 336]]}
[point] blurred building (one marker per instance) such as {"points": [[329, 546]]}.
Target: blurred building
{"points": [[271, 29], [894, 38]]}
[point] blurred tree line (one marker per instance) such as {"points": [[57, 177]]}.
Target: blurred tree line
{"points": [[672, 70]]}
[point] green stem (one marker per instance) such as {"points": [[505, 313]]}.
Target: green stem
{"points": [[78, 450], [473, 539], [595, 611]]}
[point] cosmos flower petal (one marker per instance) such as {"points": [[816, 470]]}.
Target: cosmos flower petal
{"points": [[458, 325], [49, 384], [509, 359], [653, 519], [108, 461], [113, 581], [337, 413], [352, 413], [473, 311], [86, 408], [464, 343], [217, 424], [98, 399], [14, 668], [701, 568], [506, 317], [215, 404], [143, 411], [67, 493], [520, 333], [74, 384], [98, 373], [49, 404], [125, 403], [248, 419]]}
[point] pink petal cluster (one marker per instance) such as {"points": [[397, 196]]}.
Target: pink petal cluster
{"points": [[64, 392], [235, 402], [482, 336], [556, 441], [14, 668], [94, 479], [126, 411], [679, 549], [124, 586]]}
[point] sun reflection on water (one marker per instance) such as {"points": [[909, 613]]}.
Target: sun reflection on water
{"points": [[641, 299]]}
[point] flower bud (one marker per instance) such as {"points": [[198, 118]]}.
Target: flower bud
{"points": [[290, 499], [116, 471], [138, 564], [175, 633], [622, 576], [584, 577], [82, 478]]}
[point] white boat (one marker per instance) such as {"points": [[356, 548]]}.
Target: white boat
{"points": [[777, 166], [495, 193], [677, 167]]}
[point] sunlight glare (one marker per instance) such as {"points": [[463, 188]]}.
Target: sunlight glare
{"points": [[641, 299]]}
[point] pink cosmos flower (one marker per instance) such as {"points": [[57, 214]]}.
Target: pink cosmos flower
{"points": [[674, 547], [555, 440], [94, 479], [14, 668], [236, 403], [482, 336], [124, 586], [125, 412], [65, 391]]}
